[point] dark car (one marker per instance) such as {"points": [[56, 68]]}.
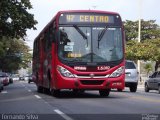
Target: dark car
{"points": [[21, 78], [153, 82], [10, 78], [30, 79]]}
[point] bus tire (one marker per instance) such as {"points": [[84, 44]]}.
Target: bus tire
{"points": [[39, 89], [56, 93], [104, 92]]}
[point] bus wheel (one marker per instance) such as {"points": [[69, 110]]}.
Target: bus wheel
{"points": [[39, 89], [55, 93], [104, 92]]}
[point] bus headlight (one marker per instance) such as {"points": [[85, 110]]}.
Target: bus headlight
{"points": [[118, 72], [64, 72]]}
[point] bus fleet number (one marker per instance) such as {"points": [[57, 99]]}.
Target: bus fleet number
{"points": [[103, 68]]}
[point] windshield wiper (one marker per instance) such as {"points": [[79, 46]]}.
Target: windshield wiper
{"points": [[100, 36], [80, 31]]}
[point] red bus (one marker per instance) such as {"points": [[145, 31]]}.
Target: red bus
{"points": [[80, 50]]}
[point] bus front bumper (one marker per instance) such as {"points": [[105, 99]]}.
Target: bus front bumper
{"points": [[90, 83]]}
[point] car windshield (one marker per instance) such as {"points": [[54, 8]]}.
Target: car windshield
{"points": [[90, 44], [3, 75], [130, 65]]}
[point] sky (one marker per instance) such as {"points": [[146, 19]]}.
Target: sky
{"points": [[45, 10]]}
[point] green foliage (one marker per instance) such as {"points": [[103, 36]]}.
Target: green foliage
{"points": [[146, 50], [148, 67], [15, 54], [14, 22], [149, 48], [149, 30], [15, 19]]}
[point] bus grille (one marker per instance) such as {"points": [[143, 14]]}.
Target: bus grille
{"points": [[91, 82]]}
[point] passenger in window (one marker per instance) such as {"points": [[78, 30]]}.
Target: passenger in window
{"points": [[63, 42], [64, 37]]}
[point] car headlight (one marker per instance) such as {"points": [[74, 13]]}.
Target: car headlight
{"points": [[118, 72], [64, 72]]}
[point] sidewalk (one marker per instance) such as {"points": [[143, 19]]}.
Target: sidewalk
{"points": [[141, 85]]}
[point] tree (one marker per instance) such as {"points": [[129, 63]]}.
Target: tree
{"points": [[15, 19], [15, 55], [146, 50], [131, 30], [149, 48], [148, 68], [149, 30]]}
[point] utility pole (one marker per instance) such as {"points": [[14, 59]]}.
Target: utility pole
{"points": [[139, 30], [139, 21]]}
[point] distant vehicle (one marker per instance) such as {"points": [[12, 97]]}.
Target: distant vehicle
{"points": [[153, 82], [10, 78], [26, 78], [30, 79], [4, 78], [15, 77], [131, 75], [21, 78]]}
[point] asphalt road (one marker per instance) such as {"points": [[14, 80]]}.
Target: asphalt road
{"points": [[20, 100]]}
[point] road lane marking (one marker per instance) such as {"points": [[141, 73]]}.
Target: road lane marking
{"points": [[146, 99], [66, 117], [4, 92], [37, 96], [142, 98]]}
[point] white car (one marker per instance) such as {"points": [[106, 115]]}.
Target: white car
{"points": [[131, 75], [15, 77]]}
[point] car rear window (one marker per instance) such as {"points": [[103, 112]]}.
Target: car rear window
{"points": [[130, 65]]}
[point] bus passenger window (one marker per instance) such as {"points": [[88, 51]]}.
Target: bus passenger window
{"points": [[64, 43]]}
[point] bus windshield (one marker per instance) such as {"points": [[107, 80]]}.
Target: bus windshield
{"points": [[90, 44]]}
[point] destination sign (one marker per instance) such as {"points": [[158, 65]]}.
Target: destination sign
{"points": [[86, 18]]}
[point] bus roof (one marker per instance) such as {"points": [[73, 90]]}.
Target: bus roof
{"points": [[89, 11]]}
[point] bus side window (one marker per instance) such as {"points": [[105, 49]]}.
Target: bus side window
{"points": [[52, 30], [47, 41], [52, 34]]}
